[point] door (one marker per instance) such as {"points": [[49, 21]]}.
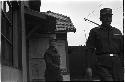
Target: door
{"points": [[37, 48]]}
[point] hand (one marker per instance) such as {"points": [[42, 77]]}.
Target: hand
{"points": [[89, 73]]}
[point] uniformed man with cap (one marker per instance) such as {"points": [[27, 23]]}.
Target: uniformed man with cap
{"points": [[106, 42]]}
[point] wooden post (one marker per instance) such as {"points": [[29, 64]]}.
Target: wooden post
{"points": [[67, 56], [123, 17], [4, 6], [0, 26], [15, 37], [24, 63], [0, 36]]}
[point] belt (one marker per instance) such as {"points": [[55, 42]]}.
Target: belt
{"points": [[113, 54], [108, 54]]}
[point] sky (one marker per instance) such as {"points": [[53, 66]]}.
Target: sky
{"points": [[77, 10]]}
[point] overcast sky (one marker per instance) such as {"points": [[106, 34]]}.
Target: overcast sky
{"points": [[77, 10]]}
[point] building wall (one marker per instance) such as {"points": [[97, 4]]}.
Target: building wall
{"points": [[62, 46], [11, 62], [37, 47], [37, 66], [38, 44], [10, 74], [62, 51]]}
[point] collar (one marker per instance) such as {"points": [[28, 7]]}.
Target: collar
{"points": [[106, 28]]}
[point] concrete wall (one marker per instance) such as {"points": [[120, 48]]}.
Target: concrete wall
{"points": [[10, 74], [62, 51]]}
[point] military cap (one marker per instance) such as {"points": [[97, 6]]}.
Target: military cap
{"points": [[106, 11]]}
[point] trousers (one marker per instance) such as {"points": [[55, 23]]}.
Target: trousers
{"points": [[108, 68]]}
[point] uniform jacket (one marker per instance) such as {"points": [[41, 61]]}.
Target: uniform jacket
{"points": [[105, 40], [102, 41]]}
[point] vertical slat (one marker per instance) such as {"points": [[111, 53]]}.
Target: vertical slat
{"points": [[24, 65], [67, 55], [0, 35], [123, 17], [19, 39], [15, 37], [4, 6]]}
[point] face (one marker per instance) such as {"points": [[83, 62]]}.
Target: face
{"points": [[106, 19]]}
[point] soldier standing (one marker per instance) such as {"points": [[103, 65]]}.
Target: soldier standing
{"points": [[106, 42], [52, 60]]}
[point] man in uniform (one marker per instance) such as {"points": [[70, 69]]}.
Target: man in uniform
{"points": [[52, 60], [106, 42]]}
